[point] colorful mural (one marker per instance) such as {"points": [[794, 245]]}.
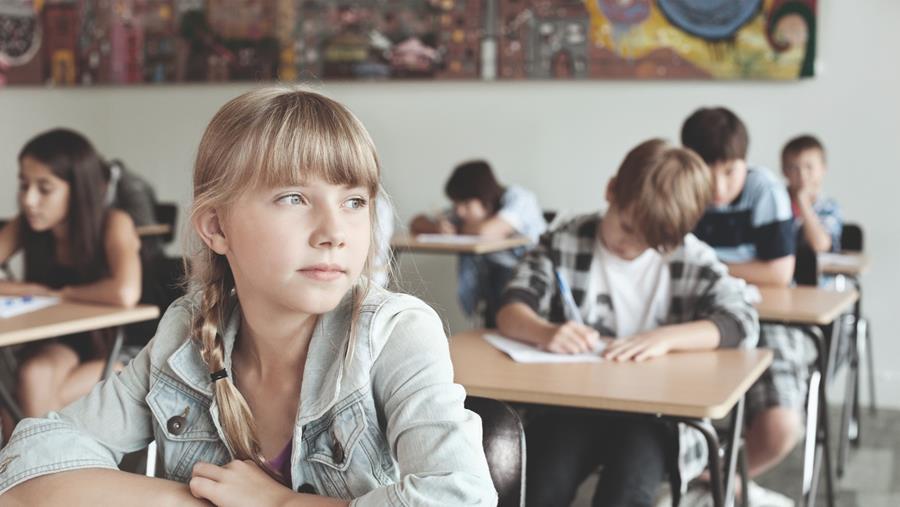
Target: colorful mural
{"points": [[90, 42]]}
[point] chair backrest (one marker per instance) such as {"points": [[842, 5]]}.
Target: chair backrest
{"points": [[167, 213], [852, 238], [806, 267], [549, 215], [504, 446]]}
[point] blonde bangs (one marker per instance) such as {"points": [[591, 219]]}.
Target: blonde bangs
{"points": [[282, 136]]}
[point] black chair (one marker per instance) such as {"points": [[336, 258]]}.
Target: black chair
{"points": [[549, 215], [504, 446], [806, 266], [167, 213]]}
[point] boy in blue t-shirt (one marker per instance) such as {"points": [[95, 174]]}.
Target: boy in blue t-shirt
{"points": [[750, 225], [817, 219]]}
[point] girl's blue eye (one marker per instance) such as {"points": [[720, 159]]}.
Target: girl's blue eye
{"points": [[357, 203], [292, 199]]}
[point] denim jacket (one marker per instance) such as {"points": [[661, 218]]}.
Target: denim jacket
{"points": [[386, 428]]}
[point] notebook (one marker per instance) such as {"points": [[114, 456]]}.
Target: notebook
{"points": [[10, 306]]}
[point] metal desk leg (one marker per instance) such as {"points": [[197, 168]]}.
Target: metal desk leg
{"points": [[715, 459], [113, 353], [737, 429]]}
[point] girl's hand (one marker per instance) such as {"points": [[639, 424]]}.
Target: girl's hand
{"points": [[639, 347], [238, 483], [25, 289]]}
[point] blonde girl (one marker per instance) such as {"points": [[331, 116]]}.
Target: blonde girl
{"points": [[284, 377]]}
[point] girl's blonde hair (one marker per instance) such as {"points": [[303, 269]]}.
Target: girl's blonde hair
{"points": [[274, 136]]}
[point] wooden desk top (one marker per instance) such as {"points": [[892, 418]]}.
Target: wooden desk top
{"points": [[409, 242], [804, 305], [153, 230], [696, 384], [68, 318], [845, 263]]}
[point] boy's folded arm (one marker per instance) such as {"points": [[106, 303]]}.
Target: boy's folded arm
{"points": [[777, 272], [723, 303]]}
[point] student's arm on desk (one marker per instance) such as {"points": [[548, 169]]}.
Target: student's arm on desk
{"points": [[773, 273], [491, 228], [123, 286], [699, 335], [422, 224], [518, 320], [97, 486]]}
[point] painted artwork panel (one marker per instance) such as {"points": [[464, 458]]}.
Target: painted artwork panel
{"points": [[103, 42]]}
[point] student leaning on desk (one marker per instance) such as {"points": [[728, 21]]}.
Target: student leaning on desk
{"points": [[74, 247], [750, 225], [640, 280], [483, 207]]}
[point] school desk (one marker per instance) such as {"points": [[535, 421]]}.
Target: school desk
{"points": [[67, 318], [683, 387], [814, 310], [851, 264], [459, 245]]}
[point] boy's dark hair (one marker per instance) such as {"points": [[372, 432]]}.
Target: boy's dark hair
{"points": [[475, 180], [800, 144], [716, 134]]}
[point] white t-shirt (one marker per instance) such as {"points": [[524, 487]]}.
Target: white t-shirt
{"points": [[637, 291]]}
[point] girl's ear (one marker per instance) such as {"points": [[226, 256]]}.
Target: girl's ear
{"points": [[209, 228]]}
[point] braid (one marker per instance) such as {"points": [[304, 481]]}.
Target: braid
{"points": [[235, 416]]}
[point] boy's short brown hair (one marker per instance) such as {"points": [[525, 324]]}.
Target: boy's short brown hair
{"points": [[800, 144], [716, 134], [665, 188]]}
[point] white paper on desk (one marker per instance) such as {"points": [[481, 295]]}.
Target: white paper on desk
{"points": [[525, 353], [455, 239], [10, 306], [836, 259]]}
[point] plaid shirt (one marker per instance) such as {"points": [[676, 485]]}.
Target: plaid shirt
{"points": [[701, 289]]}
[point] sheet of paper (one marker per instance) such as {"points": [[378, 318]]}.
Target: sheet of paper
{"points": [[10, 306], [524, 353], [455, 239]]}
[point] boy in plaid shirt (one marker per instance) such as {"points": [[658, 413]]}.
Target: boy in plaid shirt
{"points": [[644, 284], [750, 224]]}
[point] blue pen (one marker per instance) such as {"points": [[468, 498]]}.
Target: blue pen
{"points": [[568, 300]]}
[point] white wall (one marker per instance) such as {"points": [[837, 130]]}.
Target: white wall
{"points": [[562, 139]]}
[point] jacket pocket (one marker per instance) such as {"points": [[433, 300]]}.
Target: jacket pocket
{"points": [[184, 431]]}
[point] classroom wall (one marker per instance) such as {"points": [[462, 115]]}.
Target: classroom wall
{"points": [[563, 140]]}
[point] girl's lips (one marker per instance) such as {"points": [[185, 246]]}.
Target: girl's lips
{"points": [[324, 273]]}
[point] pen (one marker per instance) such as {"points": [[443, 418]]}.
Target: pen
{"points": [[568, 300]]}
